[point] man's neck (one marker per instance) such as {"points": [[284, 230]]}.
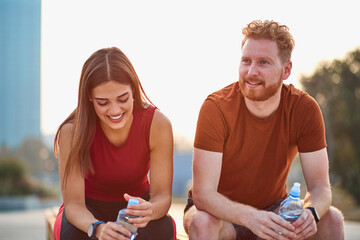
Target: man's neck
{"points": [[264, 109]]}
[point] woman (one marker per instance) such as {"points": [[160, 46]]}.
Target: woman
{"points": [[106, 148]]}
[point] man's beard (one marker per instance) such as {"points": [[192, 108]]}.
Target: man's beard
{"points": [[256, 94]]}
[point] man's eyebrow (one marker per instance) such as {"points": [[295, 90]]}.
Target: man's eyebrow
{"points": [[122, 95]]}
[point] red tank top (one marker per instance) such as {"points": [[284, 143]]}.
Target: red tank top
{"points": [[121, 169]]}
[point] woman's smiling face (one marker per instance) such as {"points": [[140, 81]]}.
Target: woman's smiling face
{"points": [[113, 104]]}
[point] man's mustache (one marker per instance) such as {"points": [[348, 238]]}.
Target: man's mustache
{"points": [[252, 80]]}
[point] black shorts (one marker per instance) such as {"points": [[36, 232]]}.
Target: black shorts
{"points": [[242, 232], [163, 228]]}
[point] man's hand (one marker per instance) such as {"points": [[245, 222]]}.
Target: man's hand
{"points": [[268, 225], [305, 225]]}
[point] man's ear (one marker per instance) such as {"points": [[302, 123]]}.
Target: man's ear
{"points": [[287, 69]]}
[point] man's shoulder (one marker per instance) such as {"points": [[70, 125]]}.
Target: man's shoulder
{"points": [[299, 102], [291, 90], [295, 96], [227, 94]]}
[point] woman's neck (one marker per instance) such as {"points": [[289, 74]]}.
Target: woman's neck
{"points": [[117, 136]]}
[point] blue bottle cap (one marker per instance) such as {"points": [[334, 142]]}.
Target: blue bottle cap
{"points": [[295, 190], [133, 201]]}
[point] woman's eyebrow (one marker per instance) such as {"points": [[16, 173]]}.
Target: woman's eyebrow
{"points": [[122, 95]]}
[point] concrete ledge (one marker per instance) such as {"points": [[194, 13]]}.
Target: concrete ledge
{"points": [[50, 216]]}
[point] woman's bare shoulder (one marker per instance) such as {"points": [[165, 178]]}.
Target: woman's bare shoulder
{"points": [[66, 131], [160, 119]]}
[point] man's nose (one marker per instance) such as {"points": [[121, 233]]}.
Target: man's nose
{"points": [[253, 70]]}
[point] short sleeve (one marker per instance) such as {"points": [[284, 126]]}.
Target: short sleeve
{"points": [[311, 131], [211, 129]]}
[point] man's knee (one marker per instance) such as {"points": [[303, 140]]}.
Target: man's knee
{"points": [[332, 224], [333, 217], [204, 220], [200, 222]]}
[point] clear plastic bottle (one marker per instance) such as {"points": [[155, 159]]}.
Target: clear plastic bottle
{"points": [[291, 207], [123, 220]]}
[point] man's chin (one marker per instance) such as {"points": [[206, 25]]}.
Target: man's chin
{"points": [[257, 98], [252, 95]]}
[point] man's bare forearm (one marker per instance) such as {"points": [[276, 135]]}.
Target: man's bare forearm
{"points": [[222, 207], [320, 198]]}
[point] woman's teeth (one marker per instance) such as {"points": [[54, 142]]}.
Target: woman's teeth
{"points": [[116, 117]]}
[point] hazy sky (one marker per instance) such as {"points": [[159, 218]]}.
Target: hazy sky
{"points": [[181, 50]]}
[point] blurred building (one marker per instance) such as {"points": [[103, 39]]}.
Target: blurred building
{"points": [[19, 71], [182, 178]]}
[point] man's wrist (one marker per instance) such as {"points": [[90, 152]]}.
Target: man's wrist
{"points": [[314, 213]]}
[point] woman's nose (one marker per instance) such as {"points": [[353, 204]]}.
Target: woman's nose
{"points": [[114, 109]]}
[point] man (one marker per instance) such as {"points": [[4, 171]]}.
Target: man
{"points": [[247, 136]]}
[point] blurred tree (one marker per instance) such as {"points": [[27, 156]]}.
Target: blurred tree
{"points": [[13, 177], [16, 181], [336, 87], [37, 157]]}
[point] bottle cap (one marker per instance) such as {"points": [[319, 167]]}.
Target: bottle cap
{"points": [[295, 190], [133, 201]]}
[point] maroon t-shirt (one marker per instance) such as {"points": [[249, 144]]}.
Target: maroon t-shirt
{"points": [[121, 169]]}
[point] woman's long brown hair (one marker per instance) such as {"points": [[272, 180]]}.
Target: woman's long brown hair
{"points": [[103, 65]]}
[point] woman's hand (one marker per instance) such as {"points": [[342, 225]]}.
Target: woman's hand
{"points": [[111, 231], [143, 210]]}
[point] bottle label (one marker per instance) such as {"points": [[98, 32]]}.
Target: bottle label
{"points": [[290, 218], [123, 220], [128, 226]]}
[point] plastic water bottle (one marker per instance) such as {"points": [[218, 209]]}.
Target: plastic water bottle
{"points": [[123, 220], [291, 207]]}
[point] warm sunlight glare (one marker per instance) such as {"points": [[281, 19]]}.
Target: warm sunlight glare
{"points": [[182, 51]]}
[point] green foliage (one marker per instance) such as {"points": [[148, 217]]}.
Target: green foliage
{"points": [[13, 180], [38, 159], [336, 87], [29, 169]]}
